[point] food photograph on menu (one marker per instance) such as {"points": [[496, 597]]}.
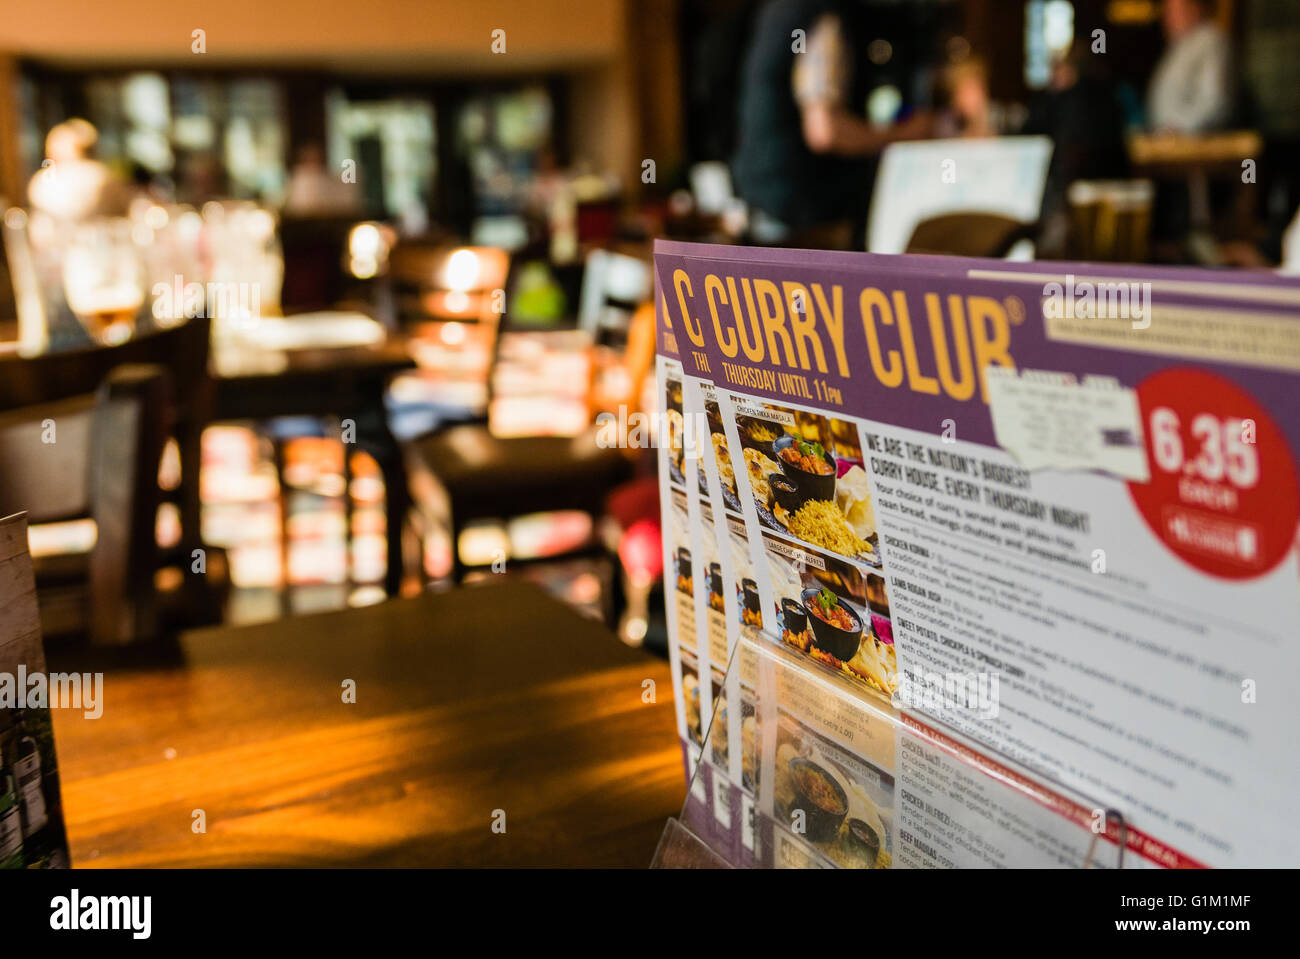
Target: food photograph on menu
{"points": [[838, 804], [826, 611], [807, 479]]}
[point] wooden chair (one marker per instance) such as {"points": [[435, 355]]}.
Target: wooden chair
{"points": [[485, 476], [93, 457], [613, 286], [441, 281], [969, 234], [182, 353]]}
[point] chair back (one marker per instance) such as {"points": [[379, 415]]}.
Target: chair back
{"points": [[968, 234], [443, 282], [45, 460], [181, 351], [613, 286], [96, 456]]}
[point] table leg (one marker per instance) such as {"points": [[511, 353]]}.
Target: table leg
{"points": [[374, 436]]}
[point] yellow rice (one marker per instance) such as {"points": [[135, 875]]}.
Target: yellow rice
{"points": [[822, 523]]}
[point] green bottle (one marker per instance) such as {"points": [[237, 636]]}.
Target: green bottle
{"points": [[27, 770], [11, 826]]}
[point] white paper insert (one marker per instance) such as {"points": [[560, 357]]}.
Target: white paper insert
{"points": [[1049, 420]]}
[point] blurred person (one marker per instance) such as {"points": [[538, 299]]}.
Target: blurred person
{"points": [[146, 187], [1290, 264], [313, 191], [1283, 253], [1081, 113], [200, 177], [969, 110], [550, 204], [70, 184], [1192, 89], [802, 162]]}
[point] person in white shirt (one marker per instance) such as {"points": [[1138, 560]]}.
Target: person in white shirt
{"points": [[1192, 89], [70, 185], [1290, 265]]}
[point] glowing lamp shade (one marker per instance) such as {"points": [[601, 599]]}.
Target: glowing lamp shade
{"points": [[641, 551], [453, 334], [462, 271], [368, 246], [364, 241], [156, 217]]}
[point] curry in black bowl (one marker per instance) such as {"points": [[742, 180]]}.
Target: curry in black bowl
{"points": [[810, 466], [836, 628], [821, 798]]}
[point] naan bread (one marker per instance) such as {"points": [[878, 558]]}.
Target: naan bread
{"points": [[853, 497], [876, 659], [862, 807], [726, 473], [759, 466]]}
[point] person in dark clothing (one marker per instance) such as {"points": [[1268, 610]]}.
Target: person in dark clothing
{"points": [[804, 143], [1081, 114]]}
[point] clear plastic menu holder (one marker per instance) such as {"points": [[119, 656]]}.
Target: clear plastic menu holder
{"points": [[843, 779], [1111, 815], [680, 848]]}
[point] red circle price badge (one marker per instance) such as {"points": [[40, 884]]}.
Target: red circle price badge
{"points": [[1222, 493]]}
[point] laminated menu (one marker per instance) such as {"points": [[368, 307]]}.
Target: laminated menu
{"points": [[691, 611], [732, 610], [847, 782], [679, 564], [1041, 518], [31, 809]]}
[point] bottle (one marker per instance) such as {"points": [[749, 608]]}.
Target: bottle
{"points": [[27, 770], [11, 828]]}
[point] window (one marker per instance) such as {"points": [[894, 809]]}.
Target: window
{"points": [[396, 136], [1049, 32]]}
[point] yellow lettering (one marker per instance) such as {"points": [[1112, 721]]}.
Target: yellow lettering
{"points": [[870, 302], [991, 345], [833, 314], [772, 313], [751, 338], [964, 388], [680, 280], [804, 326], [727, 340], [918, 381]]}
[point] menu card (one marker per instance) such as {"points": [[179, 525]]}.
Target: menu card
{"points": [[31, 810], [1041, 518]]}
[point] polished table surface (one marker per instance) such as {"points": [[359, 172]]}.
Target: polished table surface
{"points": [[468, 702]]}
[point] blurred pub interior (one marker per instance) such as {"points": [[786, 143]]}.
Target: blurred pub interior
{"points": [[325, 299], [391, 170]]}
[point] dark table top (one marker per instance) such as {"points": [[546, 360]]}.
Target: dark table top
{"points": [[472, 701], [310, 381]]}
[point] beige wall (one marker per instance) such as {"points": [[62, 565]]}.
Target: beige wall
{"points": [[629, 110], [397, 34], [11, 178], [624, 106]]}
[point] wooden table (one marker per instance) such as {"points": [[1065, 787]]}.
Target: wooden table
{"points": [[481, 699]]}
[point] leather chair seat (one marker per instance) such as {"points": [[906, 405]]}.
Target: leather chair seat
{"points": [[486, 475]]}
